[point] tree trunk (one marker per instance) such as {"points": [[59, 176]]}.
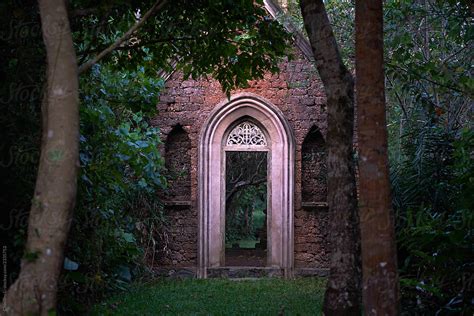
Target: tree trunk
{"points": [[34, 292], [343, 290], [379, 264]]}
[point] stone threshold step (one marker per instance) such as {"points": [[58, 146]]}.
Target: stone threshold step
{"points": [[244, 272], [239, 272]]}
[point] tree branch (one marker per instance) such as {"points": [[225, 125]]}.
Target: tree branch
{"points": [[421, 77], [242, 184], [400, 101], [86, 66]]}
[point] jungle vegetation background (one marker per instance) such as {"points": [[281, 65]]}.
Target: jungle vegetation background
{"points": [[118, 222]]}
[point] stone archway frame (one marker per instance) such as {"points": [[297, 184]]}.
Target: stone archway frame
{"points": [[211, 181]]}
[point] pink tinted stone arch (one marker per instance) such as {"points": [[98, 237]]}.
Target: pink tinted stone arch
{"points": [[211, 181]]}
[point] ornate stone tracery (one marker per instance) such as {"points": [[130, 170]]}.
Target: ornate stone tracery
{"points": [[246, 134]]}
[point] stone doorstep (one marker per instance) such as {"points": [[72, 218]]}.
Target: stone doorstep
{"points": [[239, 273], [244, 272]]}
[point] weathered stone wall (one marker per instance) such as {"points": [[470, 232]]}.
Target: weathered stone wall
{"points": [[179, 238], [310, 238], [311, 219], [297, 91]]}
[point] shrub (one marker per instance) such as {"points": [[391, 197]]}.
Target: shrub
{"points": [[435, 233], [117, 214]]}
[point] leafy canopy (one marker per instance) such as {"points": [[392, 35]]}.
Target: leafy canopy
{"points": [[232, 41]]}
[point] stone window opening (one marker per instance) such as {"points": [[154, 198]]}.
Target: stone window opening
{"points": [[314, 170], [178, 166], [178, 234]]}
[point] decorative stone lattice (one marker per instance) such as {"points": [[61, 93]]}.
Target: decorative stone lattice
{"points": [[246, 134]]}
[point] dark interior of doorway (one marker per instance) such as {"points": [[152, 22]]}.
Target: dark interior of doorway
{"points": [[246, 208]]}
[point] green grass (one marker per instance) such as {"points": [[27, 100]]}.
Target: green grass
{"points": [[244, 243], [219, 297]]}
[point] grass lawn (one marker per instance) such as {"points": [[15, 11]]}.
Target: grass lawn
{"points": [[244, 243], [219, 297]]}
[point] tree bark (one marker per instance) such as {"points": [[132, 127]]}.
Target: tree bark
{"points": [[379, 263], [343, 290], [34, 292]]}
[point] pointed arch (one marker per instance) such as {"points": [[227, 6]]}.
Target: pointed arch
{"points": [[211, 208]]}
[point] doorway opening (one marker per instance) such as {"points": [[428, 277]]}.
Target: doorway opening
{"points": [[246, 123], [246, 205]]}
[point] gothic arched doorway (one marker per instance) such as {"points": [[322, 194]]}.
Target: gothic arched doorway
{"points": [[279, 143]]}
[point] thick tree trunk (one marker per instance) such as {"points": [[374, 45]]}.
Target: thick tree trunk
{"points": [[343, 290], [34, 292], [379, 264]]}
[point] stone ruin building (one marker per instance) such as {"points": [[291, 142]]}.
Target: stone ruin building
{"points": [[282, 115]]}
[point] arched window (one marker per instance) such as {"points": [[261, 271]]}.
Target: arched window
{"points": [[178, 165], [314, 168]]}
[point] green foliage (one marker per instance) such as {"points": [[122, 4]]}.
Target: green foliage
{"points": [[433, 199], [433, 48], [134, 88], [232, 41], [464, 169], [132, 142], [428, 62], [117, 208], [429, 97], [302, 296], [438, 266], [247, 214], [120, 172], [342, 16], [246, 195]]}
